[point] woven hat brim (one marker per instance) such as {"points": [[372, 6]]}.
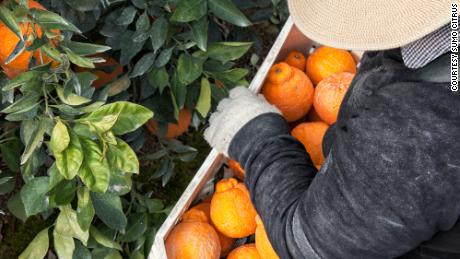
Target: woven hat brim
{"points": [[368, 24]]}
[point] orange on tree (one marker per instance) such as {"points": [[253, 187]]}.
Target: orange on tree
{"points": [[329, 94], [326, 61], [311, 135], [9, 40], [236, 168], [232, 211], [290, 90], [248, 251], [106, 72], [201, 213], [174, 129], [263, 245], [192, 240], [296, 59]]}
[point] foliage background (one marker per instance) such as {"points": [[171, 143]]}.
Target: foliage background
{"points": [[161, 74]]}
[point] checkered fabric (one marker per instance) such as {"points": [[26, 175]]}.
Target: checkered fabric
{"points": [[421, 52]]}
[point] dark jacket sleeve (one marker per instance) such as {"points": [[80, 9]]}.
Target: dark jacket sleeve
{"points": [[390, 182]]}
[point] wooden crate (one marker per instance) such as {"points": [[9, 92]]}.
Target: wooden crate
{"points": [[290, 38]]}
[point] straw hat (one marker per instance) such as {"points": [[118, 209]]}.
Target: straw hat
{"points": [[368, 24]]}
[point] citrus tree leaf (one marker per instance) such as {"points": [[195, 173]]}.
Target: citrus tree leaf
{"points": [[78, 60], [7, 17], [120, 183], [227, 51], [189, 68], [69, 161], [143, 22], [67, 225], [137, 225], [71, 99], [21, 79], [51, 20], [130, 116], [94, 172], [81, 252], [190, 10], [60, 138], [63, 245], [11, 154], [200, 33], [109, 210], [103, 240], [25, 103], [33, 195], [85, 211], [143, 64], [127, 16], [159, 77], [122, 157], [85, 49], [82, 5], [16, 207], [38, 247], [164, 57], [204, 101], [226, 10], [158, 33]]}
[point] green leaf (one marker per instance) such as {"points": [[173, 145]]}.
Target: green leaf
{"points": [[85, 211], [158, 33], [51, 20], [81, 252], [64, 192], [122, 157], [119, 85], [189, 10], [136, 228], [143, 64], [38, 248], [11, 154], [7, 17], [25, 103], [63, 245], [113, 255], [189, 68], [85, 49], [120, 183], [164, 57], [60, 138], [71, 99], [158, 77], [67, 225], [226, 10], [103, 240], [109, 210], [130, 116], [103, 125], [143, 22], [154, 205], [34, 142], [33, 195], [16, 207], [78, 60], [127, 16], [21, 79], [7, 182], [55, 177], [82, 5], [200, 33], [70, 160], [204, 101], [94, 172], [51, 51], [227, 51]]}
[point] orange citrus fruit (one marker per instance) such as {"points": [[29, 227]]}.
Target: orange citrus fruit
{"points": [[311, 135], [232, 211], [326, 61], [329, 94], [248, 251], [264, 247], [290, 90], [174, 129], [296, 59], [236, 168]]}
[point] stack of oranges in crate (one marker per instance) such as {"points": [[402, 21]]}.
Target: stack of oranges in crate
{"points": [[308, 92]]}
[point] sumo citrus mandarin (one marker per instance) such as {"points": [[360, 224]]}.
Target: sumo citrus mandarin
{"points": [[248, 251], [290, 90], [311, 135], [296, 59], [201, 213], [192, 240], [329, 94], [326, 61], [236, 168], [263, 244], [174, 129], [232, 211]]}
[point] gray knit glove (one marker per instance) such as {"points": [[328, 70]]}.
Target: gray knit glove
{"points": [[232, 114]]}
